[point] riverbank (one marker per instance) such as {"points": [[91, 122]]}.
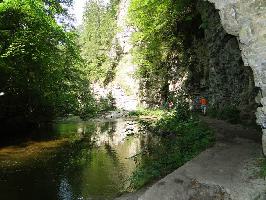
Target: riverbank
{"points": [[176, 137], [133, 151], [77, 160], [229, 170]]}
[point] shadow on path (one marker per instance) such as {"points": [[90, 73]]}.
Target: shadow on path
{"points": [[226, 132]]}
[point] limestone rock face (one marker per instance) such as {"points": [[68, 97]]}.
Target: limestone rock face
{"points": [[217, 70], [126, 68], [246, 19], [124, 86], [125, 33], [221, 74]]}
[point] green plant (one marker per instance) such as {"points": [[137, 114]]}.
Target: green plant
{"points": [[160, 43], [96, 40], [263, 167], [212, 112], [41, 71], [176, 138]]}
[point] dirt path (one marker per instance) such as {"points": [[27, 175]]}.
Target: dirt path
{"points": [[226, 132], [227, 171]]}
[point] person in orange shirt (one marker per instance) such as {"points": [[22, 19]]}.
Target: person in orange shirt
{"points": [[203, 105]]}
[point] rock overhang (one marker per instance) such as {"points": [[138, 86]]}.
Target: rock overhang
{"points": [[246, 19]]}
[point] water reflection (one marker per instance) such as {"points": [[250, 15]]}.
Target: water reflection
{"points": [[64, 192], [93, 164]]}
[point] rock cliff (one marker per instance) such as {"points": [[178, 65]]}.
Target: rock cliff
{"points": [[124, 86], [246, 19], [217, 70], [227, 63]]}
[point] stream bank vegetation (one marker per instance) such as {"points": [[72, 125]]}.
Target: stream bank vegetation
{"points": [[162, 51], [228, 113], [233, 115], [177, 136], [263, 167], [46, 66], [146, 112], [41, 74]]}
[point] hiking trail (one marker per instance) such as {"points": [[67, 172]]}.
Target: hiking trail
{"points": [[227, 171]]}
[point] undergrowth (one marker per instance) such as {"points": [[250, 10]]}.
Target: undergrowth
{"points": [[263, 168], [176, 138]]}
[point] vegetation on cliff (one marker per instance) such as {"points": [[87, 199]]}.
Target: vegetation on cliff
{"points": [[163, 34], [97, 40]]}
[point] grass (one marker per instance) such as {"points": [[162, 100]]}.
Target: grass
{"points": [[232, 115], [175, 139]]}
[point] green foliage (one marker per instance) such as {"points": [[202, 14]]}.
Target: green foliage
{"points": [[160, 41], [96, 39], [176, 139], [230, 114], [144, 112], [40, 64], [107, 104], [212, 112], [263, 168]]}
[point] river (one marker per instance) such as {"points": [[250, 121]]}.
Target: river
{"points": [[72, 160]]}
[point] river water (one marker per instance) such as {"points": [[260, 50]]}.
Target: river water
{"points": [[74, 160]]}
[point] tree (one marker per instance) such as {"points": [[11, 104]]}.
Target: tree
{"points": [[160, 42], [97, 38], [39, 61]]}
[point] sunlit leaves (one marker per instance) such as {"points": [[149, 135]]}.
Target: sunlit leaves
{"points": [[158, 41], [39, 60], [97, 37]]}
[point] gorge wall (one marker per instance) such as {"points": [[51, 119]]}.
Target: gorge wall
{"points": [[246, 19], [211, 65], [226, 62], [217, 70], [225, 47], [124, 86]]}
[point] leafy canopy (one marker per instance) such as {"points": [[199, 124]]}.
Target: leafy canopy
{"points": [[40, 71], [159, 40], [97, 38]]}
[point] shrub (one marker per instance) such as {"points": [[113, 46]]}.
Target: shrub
{"points": [[263, 168], [175, 139], [144, 112]]}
